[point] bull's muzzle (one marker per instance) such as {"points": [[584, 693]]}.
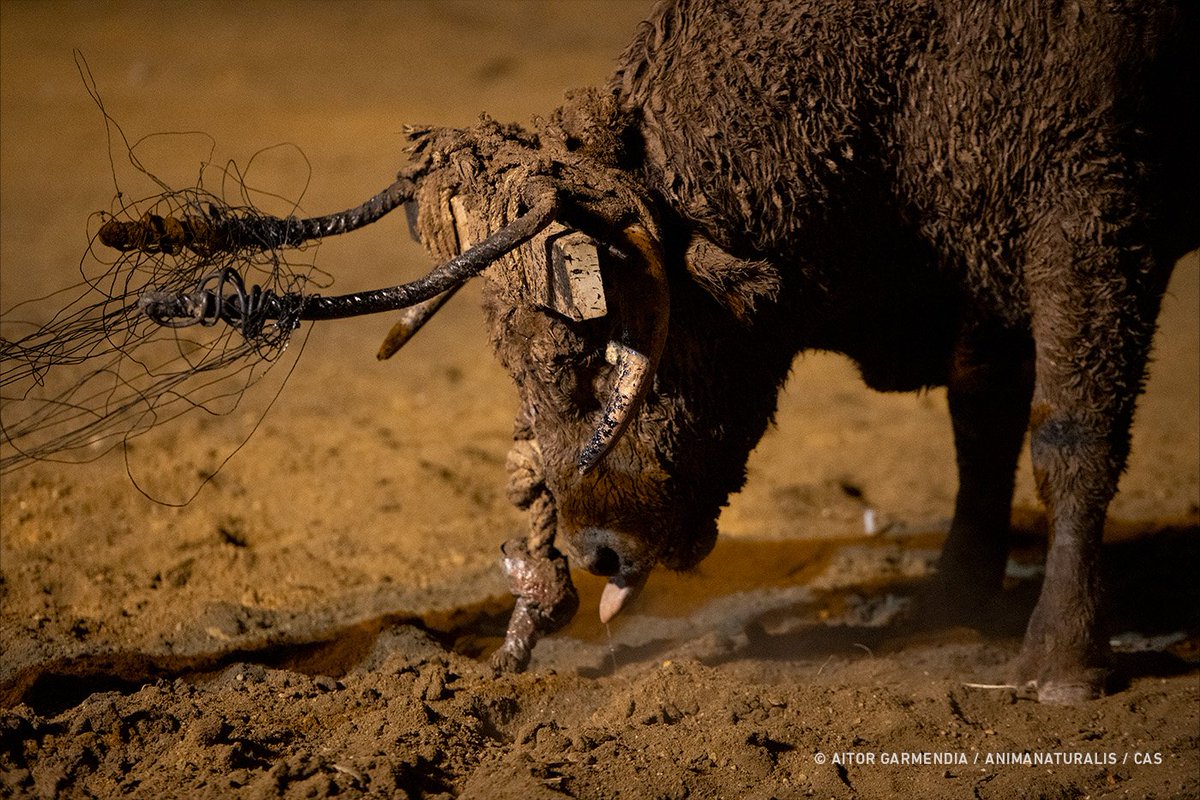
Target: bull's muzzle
{"points": [[617, 557]]}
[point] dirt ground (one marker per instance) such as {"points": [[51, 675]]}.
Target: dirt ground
{"points": [[317, 620]]}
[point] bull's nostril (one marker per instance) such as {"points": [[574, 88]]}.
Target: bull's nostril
{"points": [[606, 562], [601, 551]]}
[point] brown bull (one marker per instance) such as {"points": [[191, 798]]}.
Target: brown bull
{"points": [[987, 196]]}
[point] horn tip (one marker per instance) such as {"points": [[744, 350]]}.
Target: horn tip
{"points": [[590, 456]]}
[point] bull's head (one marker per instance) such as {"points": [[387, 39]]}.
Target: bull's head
{"points": [[644, 380], [579, 317], [636, 434]]}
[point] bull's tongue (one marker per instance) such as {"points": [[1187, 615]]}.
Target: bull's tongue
{"points": [[619, 591]]}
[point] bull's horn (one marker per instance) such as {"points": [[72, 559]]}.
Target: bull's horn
{"points": [[232, 232], [454, 272], [635, 357], [411, 320], [248, 308]]}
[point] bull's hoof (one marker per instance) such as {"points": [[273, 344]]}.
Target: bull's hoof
{"points": [[955, 597], [1065, 655], [1072, 692], [1059, 679]]}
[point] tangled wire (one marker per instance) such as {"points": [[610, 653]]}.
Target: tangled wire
{"points": [[106, 367], [140, 343]]}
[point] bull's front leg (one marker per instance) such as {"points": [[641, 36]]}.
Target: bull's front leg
{"points": [[990, 382], [1093, 319], [538, 573]]}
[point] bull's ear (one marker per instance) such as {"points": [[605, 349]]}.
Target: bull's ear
{"points": [[737, 284]]}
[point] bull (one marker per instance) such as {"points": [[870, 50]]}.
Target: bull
{"points": [[986, 196]]}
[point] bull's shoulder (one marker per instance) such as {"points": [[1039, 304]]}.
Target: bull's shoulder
{"points": [[754, 115]]}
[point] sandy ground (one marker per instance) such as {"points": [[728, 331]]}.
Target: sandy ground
{"points": [[317, 620]]}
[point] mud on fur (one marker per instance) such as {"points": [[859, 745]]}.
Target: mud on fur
{"points": [[985, 196]]}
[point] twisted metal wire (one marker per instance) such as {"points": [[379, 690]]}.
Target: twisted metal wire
{"points": [[101, 370]]}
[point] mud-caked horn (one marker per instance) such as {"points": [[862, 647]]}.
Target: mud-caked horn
{"points": [[248, 307], [635, 351], [219, 232]]}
